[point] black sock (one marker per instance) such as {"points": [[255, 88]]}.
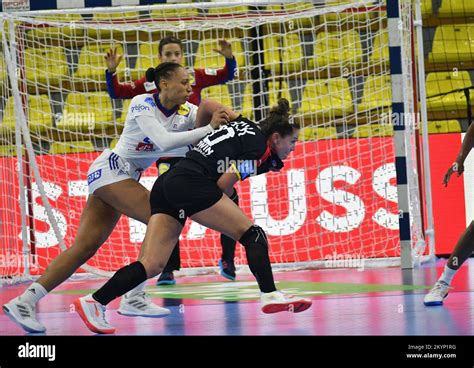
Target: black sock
{"points": [[174, 263], [228, 244], [228, 248], [123, 281], [256, 248]]}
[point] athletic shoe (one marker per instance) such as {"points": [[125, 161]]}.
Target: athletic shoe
{"points": [[166, 278], [227, 269], [437, 294], [276, 301], [140, 305], [24, 315], [93, 315]]}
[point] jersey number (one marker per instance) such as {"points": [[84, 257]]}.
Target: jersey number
{"points": [[224, 132]]}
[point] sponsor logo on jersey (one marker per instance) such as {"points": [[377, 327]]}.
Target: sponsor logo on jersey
{"points": [[150, 101], [94, 176], [184, 110], [145, 146], [139, 108], [163, 167], [209, 71], [149, 86]]}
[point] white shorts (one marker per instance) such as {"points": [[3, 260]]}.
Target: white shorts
{"points": [[110, 168]]}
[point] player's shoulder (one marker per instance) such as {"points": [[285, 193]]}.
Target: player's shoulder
{"points": [[142, 103], [186, 109], [246, 125], [144, 98]]}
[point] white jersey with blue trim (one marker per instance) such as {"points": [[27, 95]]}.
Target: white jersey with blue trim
{"points": [[136, 145]]}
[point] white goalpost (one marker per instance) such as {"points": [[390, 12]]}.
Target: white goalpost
{"points": [[340, 197]]}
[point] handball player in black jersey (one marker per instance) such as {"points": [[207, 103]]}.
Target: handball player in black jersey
{"points": [[196, 188]]}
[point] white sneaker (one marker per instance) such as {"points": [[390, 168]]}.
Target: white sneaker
{"points": [[276, 301], [24, 315], [140, 305], [93, 315], [437, 294]]}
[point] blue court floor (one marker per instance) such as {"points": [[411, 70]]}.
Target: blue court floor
{"points": [[385, 301]]}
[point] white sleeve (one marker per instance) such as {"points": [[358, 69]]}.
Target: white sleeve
{"points": [[141, 105], [168, 140], [192, 116]]}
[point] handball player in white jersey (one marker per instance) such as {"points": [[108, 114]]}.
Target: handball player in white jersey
{"points": [[160, 124]]}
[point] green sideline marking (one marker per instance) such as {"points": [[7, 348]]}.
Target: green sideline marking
{"points": [[248, 290]]}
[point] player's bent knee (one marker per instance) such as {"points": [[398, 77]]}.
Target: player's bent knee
{"points": [[254, 236]]}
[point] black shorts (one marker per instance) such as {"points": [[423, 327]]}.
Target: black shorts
{"points": [[165, 163], [181, 192]]}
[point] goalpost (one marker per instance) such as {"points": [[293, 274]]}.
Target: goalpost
{"points": [[347, 192]]}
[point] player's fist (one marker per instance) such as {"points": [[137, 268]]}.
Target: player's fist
{"points": [[219, 117], [458, 167], [112, 59]]}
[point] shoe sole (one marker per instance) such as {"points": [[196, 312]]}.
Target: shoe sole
{"points": [[223, 274], [293, 307], [161, 283], [432, 304], [435, 303], [127, 313], [18, 323], [131, 314], [226, 276], [90, 326]]}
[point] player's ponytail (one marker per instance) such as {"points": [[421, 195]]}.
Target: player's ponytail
{"points": [[150, 75], [162, 71], [282, 108], [278, 120]]}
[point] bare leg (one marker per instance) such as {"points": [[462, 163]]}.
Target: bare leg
{"points": [[463, 249], [162, 233], [102, 211], [461, 252], [97, 222], [225, 217]]}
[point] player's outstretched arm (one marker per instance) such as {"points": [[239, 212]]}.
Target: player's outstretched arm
{"points": [[168, 140]]}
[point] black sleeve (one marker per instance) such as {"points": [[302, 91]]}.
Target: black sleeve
{"points": [[253, 143], [253, 147], [272, 163]]}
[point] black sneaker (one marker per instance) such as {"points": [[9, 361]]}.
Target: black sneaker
{"points": [[227, 269], [166, 278]]}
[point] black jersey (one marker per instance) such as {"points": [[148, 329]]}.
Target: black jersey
{"points": [[239, 144]]}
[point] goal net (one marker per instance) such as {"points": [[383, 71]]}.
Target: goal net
{"points": [[334, 204]]}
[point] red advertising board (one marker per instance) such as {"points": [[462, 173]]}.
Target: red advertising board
{"points": [[334, 197]]}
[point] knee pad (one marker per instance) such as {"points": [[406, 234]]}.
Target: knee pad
{"points": [[254, 236]]}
